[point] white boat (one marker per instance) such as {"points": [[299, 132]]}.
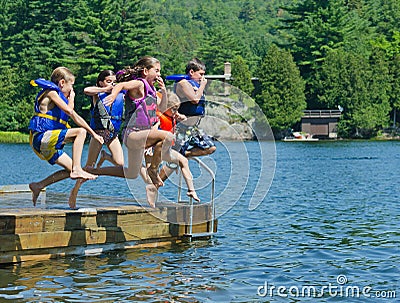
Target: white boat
{"points": [[299, 137]]}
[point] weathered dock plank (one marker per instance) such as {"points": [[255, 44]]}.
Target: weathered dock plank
{"points": [[43, 233]]}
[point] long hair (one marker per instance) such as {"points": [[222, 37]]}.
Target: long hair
{"points": [[130, 73]]}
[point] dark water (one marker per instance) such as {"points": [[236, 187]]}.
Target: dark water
{"points": [[329, 223]]}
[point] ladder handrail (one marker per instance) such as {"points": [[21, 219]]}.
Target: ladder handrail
{"points": [[202, 164]]}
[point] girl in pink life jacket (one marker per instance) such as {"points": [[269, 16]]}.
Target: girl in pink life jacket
{"points": [[139, 132]]}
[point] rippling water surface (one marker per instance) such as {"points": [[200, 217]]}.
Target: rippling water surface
{"points": [[329, 222]]}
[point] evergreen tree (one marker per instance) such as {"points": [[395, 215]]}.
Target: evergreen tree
{"points": [[315, 28], [133, 29], [359, 86], [15, 109], [375, 114], [248, 12], [282, 98], [241, 75], [87, 36], [218, 48], [394, 69]]}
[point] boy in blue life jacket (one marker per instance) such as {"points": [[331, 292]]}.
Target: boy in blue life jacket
{"points": [[49, 129], [190, 91]]}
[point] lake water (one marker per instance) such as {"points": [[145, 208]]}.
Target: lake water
{"points": [[328, 228]]}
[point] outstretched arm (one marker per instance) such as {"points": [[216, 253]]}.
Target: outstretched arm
{"points": [[94, 90], [54, 97], [134, 88], [82, 123]]}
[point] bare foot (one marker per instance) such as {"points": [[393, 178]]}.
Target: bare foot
{"points": [[151, 195], [155, 178], [74, 193], [81, 174], [192, 193], [35, 188], [103, 156]]}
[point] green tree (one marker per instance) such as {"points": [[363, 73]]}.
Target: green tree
{"points": [[376, 113], [15, 109], [130, 28], [282, 98], [241, 75], [394, 69], [315, 27], [248, 12], [218, 48], [361, 87]]}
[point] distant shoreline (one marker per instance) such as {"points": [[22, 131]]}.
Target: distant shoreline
{"points": [[13, 137], [18, 137]]}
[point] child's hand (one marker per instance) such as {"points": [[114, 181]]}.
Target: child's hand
{"points": [[160, 82], [71, 96], [98, 138], [179, 117], [109, 100], [203, 81], [108, 89]]}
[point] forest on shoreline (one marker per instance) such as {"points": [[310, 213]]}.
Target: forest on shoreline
{"points": [[306, 54]]}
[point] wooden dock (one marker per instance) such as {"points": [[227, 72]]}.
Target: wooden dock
{"points": [[48, 231]]}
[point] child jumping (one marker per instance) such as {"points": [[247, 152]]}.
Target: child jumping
{"points": [[168, 120], [49, 129], [106, 122]]}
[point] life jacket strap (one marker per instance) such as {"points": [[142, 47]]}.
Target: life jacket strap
{"points": [[53, 118]]}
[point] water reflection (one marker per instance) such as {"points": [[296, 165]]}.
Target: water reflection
{"points": [[332, 210], [131, 276]]}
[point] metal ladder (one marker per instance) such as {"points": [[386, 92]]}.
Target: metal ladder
{"points": [[190, 235]]}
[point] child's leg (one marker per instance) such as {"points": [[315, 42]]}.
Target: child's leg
{"points": [[152, 169], [104, 156], [197, 152], [116, 157], [74, 193], [94, 149], [165, 172], [78, 135], [151, 189], [162, 142], [36, 187], [151, 194], [187, 174], [135, 144], [93, 153]]}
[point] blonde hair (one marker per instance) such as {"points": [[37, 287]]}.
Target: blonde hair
{"points": [[61, 73], [173, 100]]}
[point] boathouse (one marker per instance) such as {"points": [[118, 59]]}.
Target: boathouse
{"points": [[321, 123]]}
